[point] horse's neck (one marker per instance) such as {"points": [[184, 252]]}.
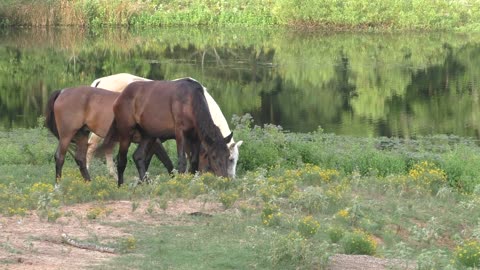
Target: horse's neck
{"points": [[217, 116]]}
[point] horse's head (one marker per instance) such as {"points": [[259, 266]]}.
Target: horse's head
{"points": [[218, 156], [204, 163], [233, 158]]}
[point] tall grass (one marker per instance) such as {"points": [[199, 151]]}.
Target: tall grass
{"points": [[350, 14]]}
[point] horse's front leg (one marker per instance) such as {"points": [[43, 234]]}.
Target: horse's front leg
{"points": [[159, 151], [140, 156], [182, 160], [194, 156]]}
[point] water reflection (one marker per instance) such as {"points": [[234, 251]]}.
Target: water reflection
{"points": [[356, 84]]}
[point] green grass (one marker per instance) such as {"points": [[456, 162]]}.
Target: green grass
{"points": [[350, 14], [220, 242], [417, 199]]}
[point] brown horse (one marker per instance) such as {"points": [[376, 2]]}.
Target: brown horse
{"points": [[118, 82], [71, 114], [166, 110]]}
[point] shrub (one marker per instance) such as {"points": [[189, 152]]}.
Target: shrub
{"points": [[359, 242], [427, 174], [308, 226], [335, 234], [292, 248], [468, 254], [228, 198], [270, 215], [311, 200]]}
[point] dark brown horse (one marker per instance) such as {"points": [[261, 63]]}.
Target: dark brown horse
{"points": [[167, 110], [71, 114]]}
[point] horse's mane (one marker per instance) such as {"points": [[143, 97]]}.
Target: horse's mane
{"points": [[208, 130], [49, 113]]}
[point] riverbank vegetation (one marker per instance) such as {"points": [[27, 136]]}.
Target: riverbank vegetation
{"points": [[329, 14], [298, 198]]}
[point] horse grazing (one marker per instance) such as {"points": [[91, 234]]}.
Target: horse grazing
{"points": [[166, 110], [72, 113], [118, 82], [115, 83]]}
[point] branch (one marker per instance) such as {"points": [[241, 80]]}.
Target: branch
{"points": [[66, 239]]}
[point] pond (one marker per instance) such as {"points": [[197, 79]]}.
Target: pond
{"points": [[360, 84]]}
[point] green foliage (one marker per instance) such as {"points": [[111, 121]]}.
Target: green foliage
{"points": [[390, 14], [312, 200], [228, 198], [411, 203], [359, 242], [293, 249], [421, 14], [468, 254], [30, 147], [308, 226], [270, 215], [335, 234]]}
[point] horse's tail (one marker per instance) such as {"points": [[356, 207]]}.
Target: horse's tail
{"points": [[109, 139], [95, 83], [50, 114]]}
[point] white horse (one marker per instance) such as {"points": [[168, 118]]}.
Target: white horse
{"points": [[118, 82]]}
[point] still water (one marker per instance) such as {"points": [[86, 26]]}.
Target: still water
{"points": [[401, 85]]}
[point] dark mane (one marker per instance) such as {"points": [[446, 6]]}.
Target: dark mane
{"points": [[207, 128]]}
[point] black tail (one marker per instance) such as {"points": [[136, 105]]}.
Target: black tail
{"points": [[50, 114], [110, 139]]}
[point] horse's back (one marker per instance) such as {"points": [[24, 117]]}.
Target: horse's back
{"points": [[157, 106], [117, 82], [85, 105]]}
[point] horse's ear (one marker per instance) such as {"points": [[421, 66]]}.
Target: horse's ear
{"points": [[229, 138]]}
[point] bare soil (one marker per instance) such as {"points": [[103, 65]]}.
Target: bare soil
{"points": [[31, 242]]}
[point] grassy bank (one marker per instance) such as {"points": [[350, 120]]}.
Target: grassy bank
{"points": [[298, 199], [350, 14]]}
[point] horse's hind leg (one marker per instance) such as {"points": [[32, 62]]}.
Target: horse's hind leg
{"points": [[81, 154], [92, 147], [122, 159], [110, 163], [60, 157], [140, 156]]}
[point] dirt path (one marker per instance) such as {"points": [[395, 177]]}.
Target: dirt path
{"points": [[32, 243]]}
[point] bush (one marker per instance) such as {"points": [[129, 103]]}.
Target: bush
{"points": [[335, 234], [468, 254], [308, 226], [270, 215], [292, 248], [359, 242]]}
